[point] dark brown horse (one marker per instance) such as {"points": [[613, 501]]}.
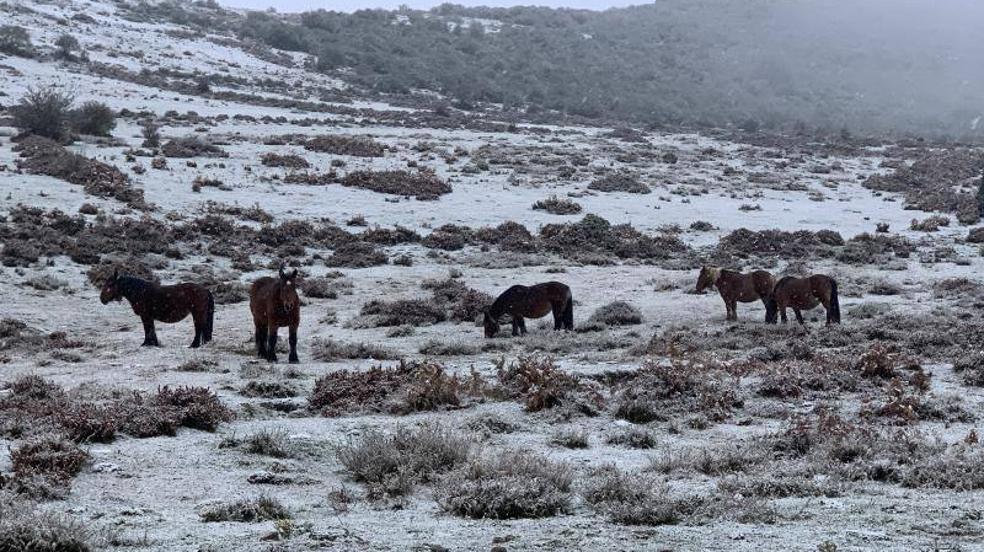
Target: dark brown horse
{"points": [[735, 286], [168, 304], [275, 304], [803, 294], [521, 302]]}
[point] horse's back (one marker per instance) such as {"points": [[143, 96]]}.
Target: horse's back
{"points": [[553, 290]]}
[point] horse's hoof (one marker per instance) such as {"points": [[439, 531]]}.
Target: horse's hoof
{"points": [[194, 346], [294, 361]]}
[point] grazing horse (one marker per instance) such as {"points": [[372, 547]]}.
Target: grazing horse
{"points": [[275, 304], [803, 294], [531, 302], [168, 304], [735, 286]]}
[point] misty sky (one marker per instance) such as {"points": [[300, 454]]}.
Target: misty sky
{"points": [[351, 5]]}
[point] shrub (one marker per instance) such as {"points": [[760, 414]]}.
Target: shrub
{"points": [[408, 387], [619, 182], [633, 437], [94, 118], [67, 45], [319, 288], [660, 392], [618, 313], [268, 442], [328, 350], [290, 161], [24, 528], [424, 185], [570, 438], [253, 510], [509, 485], [356, 255], [930, 224], [541, 385], [197, 407], [558, 206], [191, 146], [15, 40], [403, 312], [268, 390], [391, 463], [43, 112], [151, 135], [437, 347], [634, 499], [44, 467], [337, 144]]}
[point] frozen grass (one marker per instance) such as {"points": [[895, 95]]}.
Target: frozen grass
{"points": [[507, 485], [247, 510], [390, 464]]}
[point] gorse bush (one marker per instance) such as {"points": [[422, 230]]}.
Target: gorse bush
{"points": [[94, 118], [44, 112]]}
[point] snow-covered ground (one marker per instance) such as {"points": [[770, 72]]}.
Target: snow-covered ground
{"points": [[156, 487]]}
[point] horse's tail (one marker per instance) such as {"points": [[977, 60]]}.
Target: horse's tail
{"points": [[569, 313], [209, 317], [835, 310]]}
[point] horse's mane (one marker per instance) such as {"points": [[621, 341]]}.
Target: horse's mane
{"points": [[131, 285], [783, 280]]}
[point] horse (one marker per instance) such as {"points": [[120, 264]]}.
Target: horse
{"points": [[274, 304], [803, 294], [735, 286], [169, 304], [531, 302]]}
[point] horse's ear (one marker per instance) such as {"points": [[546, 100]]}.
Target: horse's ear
{"points": [[283, 275], [116, 274], [293, 274]]}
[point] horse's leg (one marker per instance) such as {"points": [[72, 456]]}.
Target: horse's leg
{"points": [[782, 313], [515, 325], [558, 314], [199, 332], [272, 343], [261, 339], [292, 340], [150, 334], [799, 315], [733, 310], [825, 301], [522, 326]]}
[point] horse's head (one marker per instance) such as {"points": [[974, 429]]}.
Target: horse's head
{"points": [[707, 278], [111, 289], [490, 323], [287, 294]]}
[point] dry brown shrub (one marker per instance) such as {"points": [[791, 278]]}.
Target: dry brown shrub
{"points": [[356, 255], [289, 161], [424, 185], [681, 387], [537, 382], [402, 389], [339, 144], [402, 312]]}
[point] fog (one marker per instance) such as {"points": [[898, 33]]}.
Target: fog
{"points": [[872, 65], [352, 5]]}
